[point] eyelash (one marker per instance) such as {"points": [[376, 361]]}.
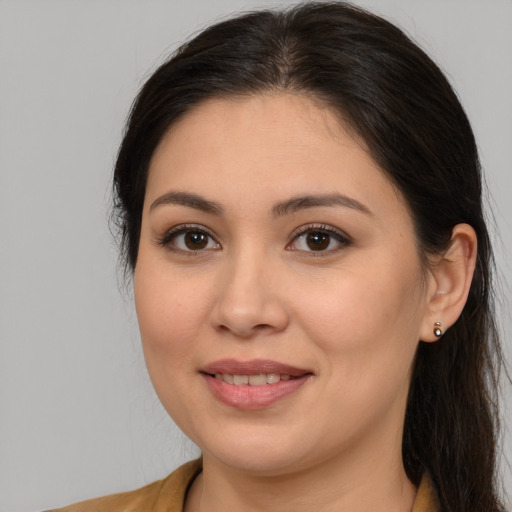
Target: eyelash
{"points": [[342, 239], [183, 229]]}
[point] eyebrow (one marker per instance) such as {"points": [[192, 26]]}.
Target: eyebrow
{"points": [[280, 209], [311, 201], [187, 199]]}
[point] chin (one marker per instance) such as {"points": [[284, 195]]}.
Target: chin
{"points": [[266, 451], [261, 461]]}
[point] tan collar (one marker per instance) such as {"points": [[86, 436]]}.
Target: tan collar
{"points": [[168, 495], [426, 497]]}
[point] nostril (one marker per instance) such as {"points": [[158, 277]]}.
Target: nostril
{"points": [[248, 314]]}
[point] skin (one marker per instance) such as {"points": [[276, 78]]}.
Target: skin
{"points": [[351, 314]]}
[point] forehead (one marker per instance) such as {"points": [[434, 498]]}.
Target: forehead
{"points": [[276, 144], [275, 117]]}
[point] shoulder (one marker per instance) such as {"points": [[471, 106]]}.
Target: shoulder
{"points": [[166, 495], [426, 497]]}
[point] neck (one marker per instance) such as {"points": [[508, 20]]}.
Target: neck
{"points": [[334, 485]]}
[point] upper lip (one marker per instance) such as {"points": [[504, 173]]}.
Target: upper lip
{"points": [[252, 367]]}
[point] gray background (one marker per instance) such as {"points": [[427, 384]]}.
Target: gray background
{"points": [[78, 417]]}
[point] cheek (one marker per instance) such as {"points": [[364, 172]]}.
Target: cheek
{"points": [[365, 327], [368, 317], [170, 315], [171, 322]]}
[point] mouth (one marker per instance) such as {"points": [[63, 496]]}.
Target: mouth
{"points": [[253, 384], [260, 379]]}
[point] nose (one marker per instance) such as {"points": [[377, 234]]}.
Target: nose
{"points": [[247, 302]]}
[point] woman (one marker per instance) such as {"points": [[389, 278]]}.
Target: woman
{"points": [[299, 199]]}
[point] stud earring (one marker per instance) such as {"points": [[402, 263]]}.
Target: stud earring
{"points": [[437, 329]]}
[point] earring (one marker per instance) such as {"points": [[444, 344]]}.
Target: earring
{"points": [[437, 329]]}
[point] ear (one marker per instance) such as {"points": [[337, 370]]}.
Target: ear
{"points": [[449, 281]]}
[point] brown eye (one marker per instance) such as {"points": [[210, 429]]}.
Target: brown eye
{"points": [[318, 241], [195, 240], [189, 239]]}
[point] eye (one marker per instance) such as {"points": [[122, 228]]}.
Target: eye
{"points": [[318, 239], [189, 239]]}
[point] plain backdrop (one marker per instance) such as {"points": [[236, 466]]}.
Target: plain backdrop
{"points": [[78, 416]]}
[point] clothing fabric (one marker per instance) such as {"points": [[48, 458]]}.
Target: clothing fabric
{"points": [[168, 495]]}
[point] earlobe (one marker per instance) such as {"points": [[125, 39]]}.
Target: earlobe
{"points": [[449, 283]]}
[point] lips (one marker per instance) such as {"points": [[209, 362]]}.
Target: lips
{"points": [[253, 384]]}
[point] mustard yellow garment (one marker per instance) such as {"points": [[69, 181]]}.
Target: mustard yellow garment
{"points": [[168, 495]]}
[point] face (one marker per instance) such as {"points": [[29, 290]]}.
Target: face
{"points": [[278, 287]]}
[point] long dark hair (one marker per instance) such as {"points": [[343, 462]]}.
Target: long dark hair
{"points": [[391, 94]]}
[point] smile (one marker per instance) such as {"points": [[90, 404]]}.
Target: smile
{"points": [[260, 379], [254, 384]]}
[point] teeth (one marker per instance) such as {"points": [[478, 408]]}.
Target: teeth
{"points": [[272, 378], [257, 380], [239, 380], [260, 379]]}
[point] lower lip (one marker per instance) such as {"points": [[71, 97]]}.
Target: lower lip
{"points": [[253, 397]]}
